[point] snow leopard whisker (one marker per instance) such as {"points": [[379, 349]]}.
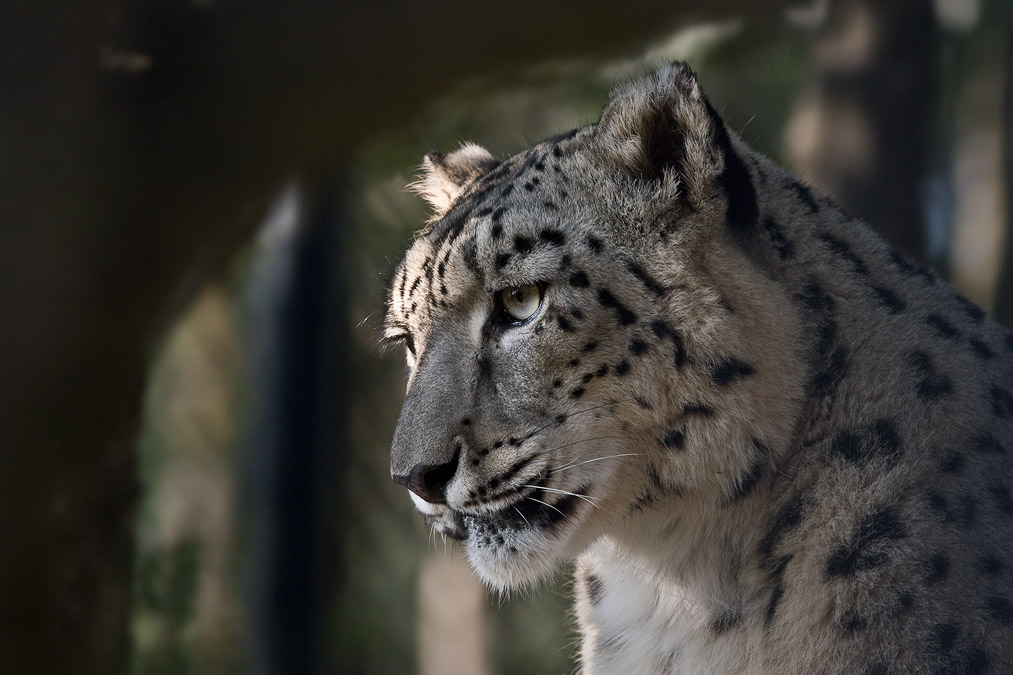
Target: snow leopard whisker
{"points": [[364, 320], [522, 516], [586, 498], [562, 418], [580, 440], [596, 459], [547, 504]]}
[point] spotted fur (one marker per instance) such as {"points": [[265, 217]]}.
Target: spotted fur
{"points": [[771, 443]]}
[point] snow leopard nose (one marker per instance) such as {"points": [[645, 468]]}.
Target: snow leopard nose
{"points": [[430, 438], [429, 481]]}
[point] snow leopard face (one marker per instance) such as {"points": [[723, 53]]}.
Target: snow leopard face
{"points": [[561, 343]]}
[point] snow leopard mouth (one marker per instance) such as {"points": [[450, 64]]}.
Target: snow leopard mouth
{"points": [[449, 523], [530, 513], [539, 508]]}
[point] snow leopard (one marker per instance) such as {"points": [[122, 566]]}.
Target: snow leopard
{"points": [[768, 441]]}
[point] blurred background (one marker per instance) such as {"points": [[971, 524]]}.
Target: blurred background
{"points": [[199, 204]]}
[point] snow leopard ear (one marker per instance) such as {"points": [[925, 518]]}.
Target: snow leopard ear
{"points": [[445, 175], [663, 128]]}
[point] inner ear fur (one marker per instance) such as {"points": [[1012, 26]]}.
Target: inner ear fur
{"points": [[661, 128], [444, 176]]}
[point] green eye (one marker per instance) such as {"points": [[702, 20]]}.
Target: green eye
{"points": [[521, 302]]}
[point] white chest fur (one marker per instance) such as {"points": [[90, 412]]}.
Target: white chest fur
{"points": [[635, 623]]}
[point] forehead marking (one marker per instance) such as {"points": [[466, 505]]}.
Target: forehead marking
{"points": [[403, 273], [444, 238]]}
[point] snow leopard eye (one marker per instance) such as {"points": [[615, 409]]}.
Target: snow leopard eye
{"points": [[520, 303], [404, 339]]}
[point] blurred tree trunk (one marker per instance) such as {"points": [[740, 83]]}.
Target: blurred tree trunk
{"points": [[186, 611], [977, 173], [296, 449], [1004, 293], [452, 631], [862, 130]]}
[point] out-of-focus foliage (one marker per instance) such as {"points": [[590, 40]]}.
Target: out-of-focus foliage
{"points": [[187, 599]]}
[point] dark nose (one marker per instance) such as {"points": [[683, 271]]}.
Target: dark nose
{"points": [[428, 480]]}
